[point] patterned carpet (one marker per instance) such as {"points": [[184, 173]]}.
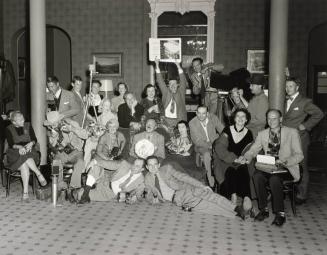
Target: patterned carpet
{"points": [[113, 228]]}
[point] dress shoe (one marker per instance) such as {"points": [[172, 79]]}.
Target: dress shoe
{"points": [[84, 200], [240, 212], [279, 220], [70, 196], [263, 214], [299, 201]]}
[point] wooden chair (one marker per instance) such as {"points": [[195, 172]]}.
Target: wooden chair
{"points": [[10, 174]]}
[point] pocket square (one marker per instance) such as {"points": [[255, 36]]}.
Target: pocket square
{"points": [[296, 109], [66, 102]]}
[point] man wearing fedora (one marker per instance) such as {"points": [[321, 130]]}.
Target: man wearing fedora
{"points": [[65, 101], [258, 105]]}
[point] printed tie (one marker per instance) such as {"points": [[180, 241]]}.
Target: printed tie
{"points": [[172, 105], [157, 185]]}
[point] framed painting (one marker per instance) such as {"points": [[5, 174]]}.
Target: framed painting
{"points": [[256, 61], [108, 64]]}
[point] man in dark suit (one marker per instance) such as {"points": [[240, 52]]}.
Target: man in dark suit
{"points": [[77, 86], [64, 100], [302, 114], [173, 96], [167, 184]]}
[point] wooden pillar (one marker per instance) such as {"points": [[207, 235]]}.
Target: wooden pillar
{"points": [[278, 53], [38, 72]]}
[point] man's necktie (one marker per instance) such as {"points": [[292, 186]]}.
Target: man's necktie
{"points": [[57, 102], [172, 105], [157, 185], [203, 88]]}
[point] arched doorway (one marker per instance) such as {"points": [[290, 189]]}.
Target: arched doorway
{"points": [[59, 62]]}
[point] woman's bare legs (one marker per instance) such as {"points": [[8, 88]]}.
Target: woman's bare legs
{"points": [[25, 174], [31, 164]]}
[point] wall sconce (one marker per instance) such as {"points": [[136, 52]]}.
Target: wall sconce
{"points": [[106, 86]]}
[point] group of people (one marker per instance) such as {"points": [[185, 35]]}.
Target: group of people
{"points": [[121, 145]]}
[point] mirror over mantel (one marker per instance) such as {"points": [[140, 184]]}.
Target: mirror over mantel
{"points": [[202, 40]]}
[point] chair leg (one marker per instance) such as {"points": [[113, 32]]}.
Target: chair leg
{"points": [[293, 200], [8, 184], [33, 182]]}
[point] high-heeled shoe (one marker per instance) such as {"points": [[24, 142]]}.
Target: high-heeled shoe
{"points": [[25, 198]]}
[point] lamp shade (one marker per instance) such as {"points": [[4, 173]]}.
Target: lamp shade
{"points": [[106, 86]]}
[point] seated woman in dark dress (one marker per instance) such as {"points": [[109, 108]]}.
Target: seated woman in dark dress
{"points": [[233, 177], [21, 153]]}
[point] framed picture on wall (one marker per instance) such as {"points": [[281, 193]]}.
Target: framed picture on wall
{"points": [[21, 68], [256, 61], [108, 64]]}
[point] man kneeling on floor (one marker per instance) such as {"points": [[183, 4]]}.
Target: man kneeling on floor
{"points": [[167, 184], [127, 182]]}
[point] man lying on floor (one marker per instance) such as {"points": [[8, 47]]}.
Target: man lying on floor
{"points": [[167, 184], [127, 179]]}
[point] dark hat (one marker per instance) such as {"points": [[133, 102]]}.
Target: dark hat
{"points": [[258, 79]]}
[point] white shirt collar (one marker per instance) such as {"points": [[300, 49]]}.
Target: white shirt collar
{"points": [[294, 96], [57, 95]]}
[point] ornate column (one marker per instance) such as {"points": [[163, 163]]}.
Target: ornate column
{"points": [[38, 72], [210, 36], [278, 53], [154, 34]]}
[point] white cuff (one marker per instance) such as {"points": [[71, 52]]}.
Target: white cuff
{"points": [[157, 70], [90, 180], [180, 71]]}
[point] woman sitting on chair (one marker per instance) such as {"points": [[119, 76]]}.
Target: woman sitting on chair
{"points": [[21, 153], [231, 175]]}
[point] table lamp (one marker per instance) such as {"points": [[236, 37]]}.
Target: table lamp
{"points": [[106, 86]]}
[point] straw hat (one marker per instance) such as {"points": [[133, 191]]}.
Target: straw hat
{"points": [[53, 118], [144, 148]]}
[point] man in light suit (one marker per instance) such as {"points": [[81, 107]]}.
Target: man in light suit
{"points": [[173, 96], [303, 115], [205, 129], [151, 135], [200, 79], [124, 178], [77, 86], [284, 144], [167, 184], [64, 100]]}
